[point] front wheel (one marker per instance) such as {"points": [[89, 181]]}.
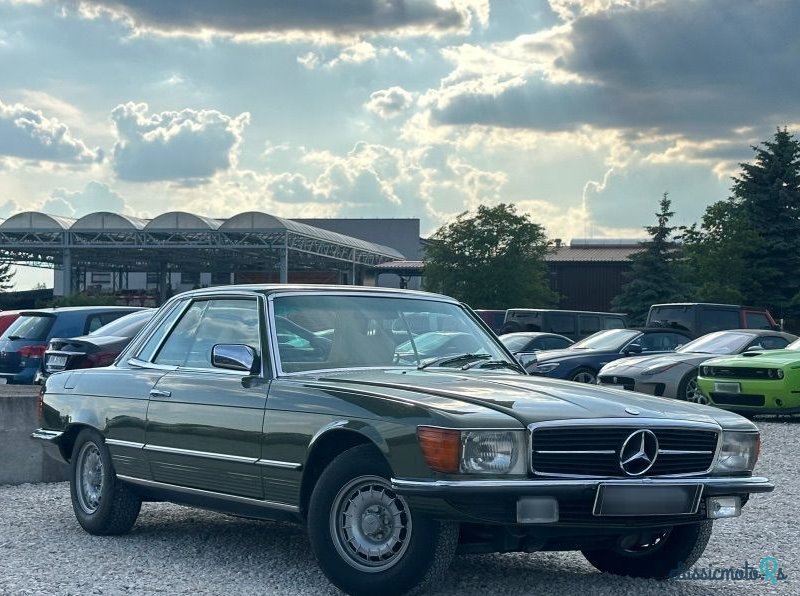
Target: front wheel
{"points": [[584, 375], [689, 391], [102, 504], [654, 554], [364, 535]]}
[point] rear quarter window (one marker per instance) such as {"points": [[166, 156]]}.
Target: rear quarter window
{"points": [[562, 323], [757, 320]]}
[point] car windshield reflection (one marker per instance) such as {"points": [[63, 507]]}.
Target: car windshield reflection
{"points": [[324, 332]]}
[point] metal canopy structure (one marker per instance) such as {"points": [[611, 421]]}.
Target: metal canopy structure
{"points": [[180, 241]]}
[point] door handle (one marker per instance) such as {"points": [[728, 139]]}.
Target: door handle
{"points": [[160, 393]]}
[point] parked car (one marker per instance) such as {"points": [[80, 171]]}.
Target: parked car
{"points": [[574, 324], [675, 374], [23, 344], [493, 318], [701, 318], [99, 348], [582, 361], [391, 466], [6, 318], [754, 382], [526, 345]]}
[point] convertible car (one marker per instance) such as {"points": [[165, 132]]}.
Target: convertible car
{"points": [[310, 404], [754, 382]]}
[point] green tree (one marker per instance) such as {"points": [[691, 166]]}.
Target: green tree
{"points": [[656, 273], [747, 248], [491, 259], [6, 276]]}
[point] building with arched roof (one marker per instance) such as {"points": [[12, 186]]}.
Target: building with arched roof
{"points": [[108, 251]]}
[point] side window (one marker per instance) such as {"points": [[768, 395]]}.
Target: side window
{"points": [[718, 320], [770, 342], [661, 342], [562, 323], [552, 343], [589, 324], [205, 324], [93, 323], [613, 323], [149, 348], [757, 320]]}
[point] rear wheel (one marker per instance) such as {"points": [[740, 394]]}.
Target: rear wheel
{"points": [[584, 375], [102, 504], [655, 554], [364, 535]]}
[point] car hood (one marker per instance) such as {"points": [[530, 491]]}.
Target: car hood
{"points": [[634, 364], [528, 399], [776, 358]]}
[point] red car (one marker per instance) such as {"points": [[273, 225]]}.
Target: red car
{"points": [[6, 318]]}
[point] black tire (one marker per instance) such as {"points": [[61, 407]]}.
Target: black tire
{"points": [[677, 551], [689, 383], [103, 505], [423, 548], [582, 374]]}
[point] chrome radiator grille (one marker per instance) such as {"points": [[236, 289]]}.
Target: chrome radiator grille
{"points": [[601, 450]]}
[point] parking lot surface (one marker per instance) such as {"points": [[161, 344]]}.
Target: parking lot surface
{"points": [[178, 550]]}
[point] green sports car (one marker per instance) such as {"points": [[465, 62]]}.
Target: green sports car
{"points": [[754, 382]]}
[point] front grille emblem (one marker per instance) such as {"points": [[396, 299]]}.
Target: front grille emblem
{"points": [[639, 452]]}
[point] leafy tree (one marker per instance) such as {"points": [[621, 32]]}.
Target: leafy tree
{"points": [[747, 248], [6, 276], [656, 272], [491, 259]]}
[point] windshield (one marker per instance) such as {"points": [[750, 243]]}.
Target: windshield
{"points": [[126, 326], [30, 327], [795, 345], [720, 342], [318, 332], [612, 339]]}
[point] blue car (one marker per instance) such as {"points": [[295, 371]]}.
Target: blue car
{"points": [[581, 361], [23, 344]]}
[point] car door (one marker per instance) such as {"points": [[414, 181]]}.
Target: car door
{"points": [[204, 424]]}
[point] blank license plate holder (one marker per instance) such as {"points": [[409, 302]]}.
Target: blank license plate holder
{"points": [[620, 500]]}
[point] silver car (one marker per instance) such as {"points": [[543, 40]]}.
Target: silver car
{"points": [[675, 374]]}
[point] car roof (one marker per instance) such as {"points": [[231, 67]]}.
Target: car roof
{"points": [[569, 312], [533, 334], [648, 330], [86, 309], [311, 288], [757, 332]]}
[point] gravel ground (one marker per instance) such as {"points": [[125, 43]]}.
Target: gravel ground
{"points": [[177, 550]]}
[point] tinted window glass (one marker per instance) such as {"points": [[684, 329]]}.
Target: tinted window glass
{"points": [[553, 343], [613, 323], [146, 353], [771, 342], [205, 324], [33, 327], [515, 343], [613, 339], [718, 320], [672, 316], [757, 320], [589, 324], [561, 323]]}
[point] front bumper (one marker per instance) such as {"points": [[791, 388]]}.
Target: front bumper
{"points": [[495, 501], [753, 397]]}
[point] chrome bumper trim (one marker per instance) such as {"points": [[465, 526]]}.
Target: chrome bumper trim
{"points": [[46, 435]]}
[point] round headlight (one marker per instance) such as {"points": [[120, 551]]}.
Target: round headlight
{"points": [[704, 370], [779, 373], [771, 373]]}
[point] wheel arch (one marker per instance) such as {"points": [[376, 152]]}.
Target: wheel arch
{"points": [[330, 442], [67, 441]]}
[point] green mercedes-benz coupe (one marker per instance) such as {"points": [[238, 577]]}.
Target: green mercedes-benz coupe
{"points": [[319, 405], [754, 382]]}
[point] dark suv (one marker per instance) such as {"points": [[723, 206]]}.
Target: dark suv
{"points": [[699, 318], [574, 324], [23, 344]]}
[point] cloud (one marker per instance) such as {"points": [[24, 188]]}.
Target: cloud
{"points": [[389, 103], [96, 196], [189, 144], [28, 134], [668, 67], [273, 19]]}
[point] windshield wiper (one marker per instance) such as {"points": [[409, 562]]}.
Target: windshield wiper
{"points": [[452, 360], [492, 363]]}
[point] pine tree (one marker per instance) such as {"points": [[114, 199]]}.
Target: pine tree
{"points": [[656, 272], [6, 276]]}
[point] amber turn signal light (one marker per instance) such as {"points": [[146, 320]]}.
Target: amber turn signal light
{"points": [[441, 448]]}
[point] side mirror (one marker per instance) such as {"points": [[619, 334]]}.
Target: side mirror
{"points": [[234, 357], [633, 349], [755, 348], [526, 359]]}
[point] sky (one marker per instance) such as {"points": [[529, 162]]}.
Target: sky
{"points": [[580, 112]]}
